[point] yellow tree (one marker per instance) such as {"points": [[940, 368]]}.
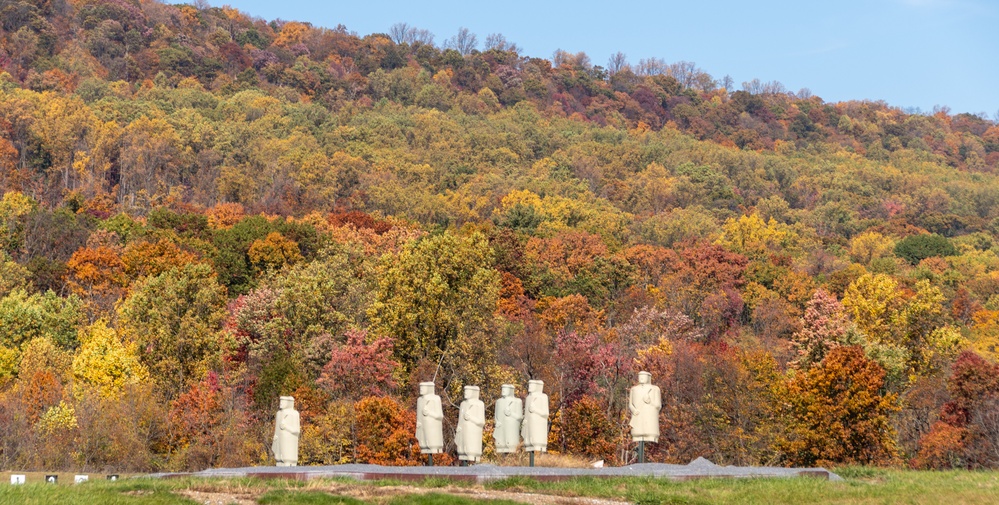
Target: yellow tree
{"points": [[755, 238], [151, 152], [870, 245], [907, 334], [12, 275], [985, 333], [92, 169], [653, 190], [314, 172], [932, 343], [103, 362], [292, 33], [66, 126], [875, 302], [14, 206]]}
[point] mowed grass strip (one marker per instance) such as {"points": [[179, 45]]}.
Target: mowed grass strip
{"points": [[861, 486], [189, 491], [123, 492]]}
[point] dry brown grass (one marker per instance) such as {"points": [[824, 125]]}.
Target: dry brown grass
{"points": [[545, 459], [225, 492]]}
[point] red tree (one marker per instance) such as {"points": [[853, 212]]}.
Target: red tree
{"points": [[357, 369]]}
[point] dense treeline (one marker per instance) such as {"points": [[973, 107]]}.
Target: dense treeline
{"points": [[203, 211]]}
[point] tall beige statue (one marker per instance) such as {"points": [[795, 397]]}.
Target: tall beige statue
{"points": [[471, 419], [535, 428], [509, 414], [429, 420], [287, 428], [645, 402]]}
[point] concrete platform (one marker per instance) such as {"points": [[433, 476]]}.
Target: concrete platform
{"points": [[697, 469]]}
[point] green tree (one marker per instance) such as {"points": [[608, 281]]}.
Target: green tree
{"points": [[14, 207], [916, 248], [435, 292], [283, 331], [175, 318], [12, 275], [24, 317], [324, 297]]}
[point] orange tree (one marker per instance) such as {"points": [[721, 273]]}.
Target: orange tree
{"points": [[837, 413], [584, 429], [385, 433]]}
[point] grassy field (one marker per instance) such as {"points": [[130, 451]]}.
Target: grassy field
{"points": [[861, 486]]}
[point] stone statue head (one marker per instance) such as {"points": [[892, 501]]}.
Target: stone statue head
{"points": [[471, 392], [507, 390], [535, 386], [644, 378], [426, 388], [287, 402]]}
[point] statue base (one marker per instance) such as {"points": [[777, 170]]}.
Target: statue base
{"points": [[483, 473]]}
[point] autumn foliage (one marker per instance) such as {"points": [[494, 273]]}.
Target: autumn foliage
{"points": [[839, 414], [385, 433], [962, 437], [202, 210], [357, 369]]}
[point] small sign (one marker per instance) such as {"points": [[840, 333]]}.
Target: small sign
{"points": [[113, 477], [80, 478], [17, 479], [51, 479]]}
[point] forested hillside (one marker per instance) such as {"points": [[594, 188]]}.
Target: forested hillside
{"points": [[203, 210]]}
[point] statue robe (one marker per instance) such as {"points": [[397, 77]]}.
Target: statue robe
{"points": [[430, 424], [535, 427], [468, 435], [645, 402], [509, 414], [287, 428]]}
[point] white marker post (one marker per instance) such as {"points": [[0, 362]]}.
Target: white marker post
{"points": [[16, 480], [51, 479], [80, 479]]}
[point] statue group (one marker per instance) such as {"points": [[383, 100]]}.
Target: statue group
{"points": [[520, 421], [516, 421], [513, 421]]}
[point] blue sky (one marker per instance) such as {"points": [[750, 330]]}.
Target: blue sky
{"points": [[909, 53]]}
